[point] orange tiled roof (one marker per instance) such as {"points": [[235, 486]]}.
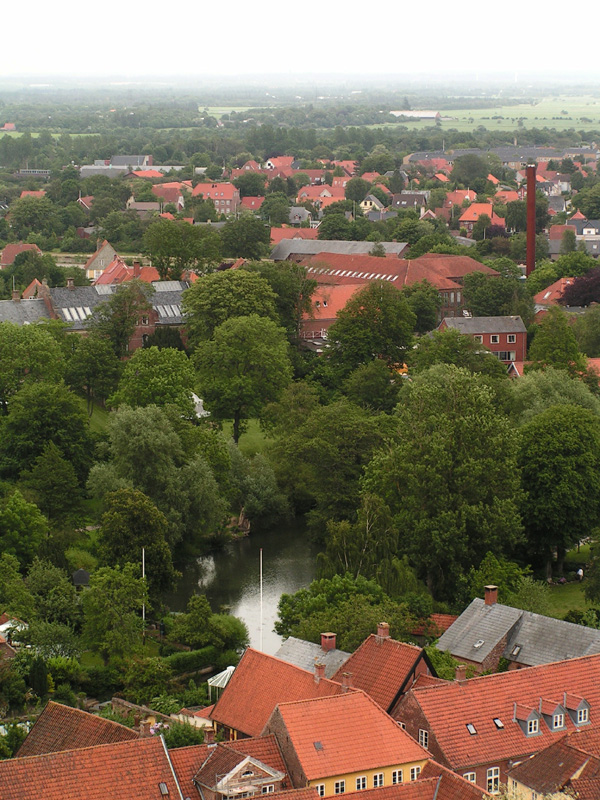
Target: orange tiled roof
{"points": [[476, 210], [451, 786], [450, 707], [253, 203], [578, 215], [214, 191], [278, 234], [186, 763], [260, 682], [33, 193], [11, 251], [380, 667], [129, 770], [63, 728], [323, 733], [435, 625], [552, 294], [147, 173]]}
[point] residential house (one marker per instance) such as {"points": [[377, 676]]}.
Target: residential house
{"points": [[225, 196], [280, 162], [481, 727], [86, 202], [569, 768], [551, 295], [316, 194], [371, 203], [306, 654], [279, 234], [144, 210], [487, 631], [298, 215], [227, 773], [97, 263], [297, 250], [258, 684], [471, 215], [252, 203], [11, 251], [410, 200], [505, 337], [33, 193], [322, 746], [60, 728], [384, 668]]}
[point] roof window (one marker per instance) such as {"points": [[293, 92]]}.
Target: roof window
{"points": [[478, 644], [471, 728], [498, 722]]}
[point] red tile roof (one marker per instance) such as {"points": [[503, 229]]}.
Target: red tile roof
{"points": [[448, 709], [11, 251], [476, 210], [556, 232], [380, 667], [146, 173], [458, 197], [63, 728], [253, 203], [116, 272], [493, 179], [548, 771], [186, 763], [213, 191], [131, 770], [31, 193], [451, 786], [278, 234], [435, 625], [578, 215], [506, 196], [260, 682], [441, 177], [552, 294], [86, 201], [328, 300], [324, 735], [167, 193]]}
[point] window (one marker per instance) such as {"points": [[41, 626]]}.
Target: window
{"points": [[511, 338], [494, 338], [506, 355], [533, 726], [320, 787], [583, 715], [470, 776], [471, 728], [424, 739], [339, 787], [402, 725], [493, 779], [558, 721], [478, 339], [397, 776], [534, 796], [268, 789], [361, 783], [145, 320], [498, 722], [377, 779], [414, 773]]}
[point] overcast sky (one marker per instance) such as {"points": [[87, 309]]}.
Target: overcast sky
{"points": [[131, 39]]}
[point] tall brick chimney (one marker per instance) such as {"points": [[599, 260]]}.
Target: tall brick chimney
{"points": [[144, 729], [460, 673], [383, 630], [16, 295], [491, 595], [328, 641], [71, 283], [137, 269], [319, 672], [346, 681]]}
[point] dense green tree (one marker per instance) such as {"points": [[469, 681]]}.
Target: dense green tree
{"points": [[53, 483], [425, 302], [468, 168], [560, 463], [243, 367], [373, 387], [251, 184], [254, 490], [93, 369], [23, 527], [497, 571], [28, 354], [586, 328], [584, 290], [41, 413], [15, 597], [377, 322], [36, 215], [146, 678], [224, 295], [55, 597], [112, 606], [132, 522], [489, 296], [448, 346], [357, 189], [276, 209], [568, 243], [157, 377], [455, 458], [293, 291], [246, 237], [334, 227], [554, 344], [117, 318], [175, 246], [538, 390]]}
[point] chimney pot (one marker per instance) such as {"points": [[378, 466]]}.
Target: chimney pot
{"points": [[383, 630], [328, 641], [137, 269], [491, 595], [16, 295], [346, 681], [460, 673], [70, 283], [144, 729], [319, 672]]}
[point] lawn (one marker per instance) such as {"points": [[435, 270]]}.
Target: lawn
{"points": [[253, 441], [568, 597]]}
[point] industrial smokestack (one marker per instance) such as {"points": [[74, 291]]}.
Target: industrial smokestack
{"points": [[531, 189]]}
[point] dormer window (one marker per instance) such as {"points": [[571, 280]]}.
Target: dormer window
{"points": [[533, 726], [558, 721], [583, 716]]}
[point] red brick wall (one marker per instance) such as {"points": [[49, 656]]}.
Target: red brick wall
{"points": [[276, 726]]}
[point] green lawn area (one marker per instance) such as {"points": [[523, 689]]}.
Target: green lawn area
{"points": [[251, 442], [568, 597]]}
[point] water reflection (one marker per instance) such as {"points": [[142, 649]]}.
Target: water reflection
{"points": [[230, 578]]}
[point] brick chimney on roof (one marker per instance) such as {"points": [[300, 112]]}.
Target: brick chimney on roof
{"points": [[328, 641], [491, 595], [346, 681], [383, 630], [319, 672], [144, 729], [70, 283], [460, 673], [137, 269], [16, 295]]}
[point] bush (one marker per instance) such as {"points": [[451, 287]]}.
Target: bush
{"points": [[65, 695], [102, 681], [65, 670], [182, 734], [193, 660]]}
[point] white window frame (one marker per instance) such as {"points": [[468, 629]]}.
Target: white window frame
{"points": [[397, 777], [493, 780], [414, 773], [401, 724], [533, 726], [361, 783], [268, 789], [470, 776], [320, 787], [511, 338], [424, 738], [583, 716], [377, 780], [494, 338], [339, 787], [558, 721]]}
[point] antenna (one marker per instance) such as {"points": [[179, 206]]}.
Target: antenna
{"points": [[261, 602], [144, 603]]}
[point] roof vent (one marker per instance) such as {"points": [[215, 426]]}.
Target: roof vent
{"points": [[318, 746], [478, 644]]}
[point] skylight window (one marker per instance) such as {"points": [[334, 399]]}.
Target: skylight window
{"points": [[478, 644], [471, 728], [318, 745], [498, 722]]}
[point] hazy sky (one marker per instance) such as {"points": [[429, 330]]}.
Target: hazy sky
{"points": [[129, 38]]}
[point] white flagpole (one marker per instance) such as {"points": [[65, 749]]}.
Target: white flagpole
{"points": [[144, 604], [261, 602]]}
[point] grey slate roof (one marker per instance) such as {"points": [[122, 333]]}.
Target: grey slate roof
{"points": [[25, 312], [541, 640], [307, 654], [310, 247], [473, 325]]}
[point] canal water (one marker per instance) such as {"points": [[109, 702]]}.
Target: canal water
{"points": [[230, 578]]}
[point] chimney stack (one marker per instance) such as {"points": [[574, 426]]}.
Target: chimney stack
{"points": [[70, 283], [460, 673], [144, 729], [137, 269], [328, 641], [319, 672], [346, 681], [531, 192], [16, 295], [491, 595], [383, 631]]}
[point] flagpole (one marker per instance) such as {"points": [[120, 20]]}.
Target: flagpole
{"points": [[261, 602], [144, 603]]}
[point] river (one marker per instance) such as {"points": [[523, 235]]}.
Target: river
{"points": [[230, 578]]}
